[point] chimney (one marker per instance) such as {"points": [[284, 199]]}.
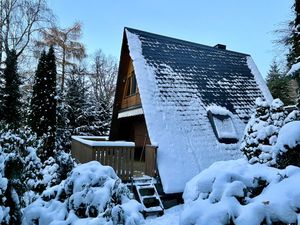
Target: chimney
{"points": [[220, 46]]}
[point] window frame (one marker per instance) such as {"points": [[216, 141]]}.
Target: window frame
{"points": [[224, 140], [131, 85]]}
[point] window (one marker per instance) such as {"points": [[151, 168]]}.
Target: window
{"points": [[223, 126], [131, 85]]}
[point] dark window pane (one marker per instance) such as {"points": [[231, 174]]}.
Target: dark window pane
{"points": [[128, 86], [133, 84]]}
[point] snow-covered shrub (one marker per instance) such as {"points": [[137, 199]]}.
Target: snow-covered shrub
{"points": [[4, 209], [287, 148], [236, 192], [258, 133], [19, 165], [262, 131], [23, 175], [92, 194]]}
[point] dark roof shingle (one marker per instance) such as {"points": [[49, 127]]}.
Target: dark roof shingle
{"points": [[221, 77]]}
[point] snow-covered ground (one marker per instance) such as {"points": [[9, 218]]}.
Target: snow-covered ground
{"points": [[170, 217]]}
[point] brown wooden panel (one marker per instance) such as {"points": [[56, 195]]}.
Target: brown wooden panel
{"points": [[83, 153], [150, 160]]}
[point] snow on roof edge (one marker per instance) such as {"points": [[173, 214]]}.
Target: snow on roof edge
{"points": [[259, 79], [141, 67]]}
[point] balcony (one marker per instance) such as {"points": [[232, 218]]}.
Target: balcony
{"points": [[117, 154]]}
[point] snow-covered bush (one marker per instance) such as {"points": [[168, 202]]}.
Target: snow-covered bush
{"points": [[92, 194], [236, 192], [262, 131], [23, 175], [19, 166], [287, 149], [4, 209], [258, 134]]}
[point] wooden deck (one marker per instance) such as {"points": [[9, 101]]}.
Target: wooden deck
{"points": [[118, 155]]}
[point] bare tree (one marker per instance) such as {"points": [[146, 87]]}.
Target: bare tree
{"points": [[19, 21], [103, 77], [67, 45]]}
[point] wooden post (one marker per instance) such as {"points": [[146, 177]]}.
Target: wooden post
{"points": [[150, 160]]}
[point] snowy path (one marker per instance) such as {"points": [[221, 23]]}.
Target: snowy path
{"points": [[171, 217]]}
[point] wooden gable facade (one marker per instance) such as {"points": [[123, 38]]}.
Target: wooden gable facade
{"points": [[128, 121]]}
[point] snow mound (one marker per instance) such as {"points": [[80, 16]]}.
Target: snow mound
{"points": [[218, 110], [295, 68], [92, 194], [236, 192], [289, 136]]}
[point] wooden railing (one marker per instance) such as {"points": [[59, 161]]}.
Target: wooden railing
{"points": [[119, 155], [120, 158]]}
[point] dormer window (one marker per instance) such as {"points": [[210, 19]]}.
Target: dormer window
{"points": [[131, 85], [222, 124]]}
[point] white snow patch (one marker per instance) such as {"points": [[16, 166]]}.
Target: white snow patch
{"points": [[218, 110], [289, 135], [294, 68], [170, 217]]}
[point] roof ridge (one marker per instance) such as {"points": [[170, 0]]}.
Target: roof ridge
{"points": [[181, 41]]}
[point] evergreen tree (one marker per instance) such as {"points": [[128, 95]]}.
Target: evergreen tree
{"points": [[279, 84], [51, 100], [256, 131], [2, 85], [43, 103], [293, 42], [75, 100], [11, 91], [38, 96]]}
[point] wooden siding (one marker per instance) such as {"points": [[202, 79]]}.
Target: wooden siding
{"points": [[132, 100]]}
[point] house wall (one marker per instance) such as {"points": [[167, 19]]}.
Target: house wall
{"points": [[134, 129], [131, 128], [132, 100]]}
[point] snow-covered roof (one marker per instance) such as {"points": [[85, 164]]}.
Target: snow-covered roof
{"points": [[178, 81]]}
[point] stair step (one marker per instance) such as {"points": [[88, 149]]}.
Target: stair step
{"points": [[148, 196]]}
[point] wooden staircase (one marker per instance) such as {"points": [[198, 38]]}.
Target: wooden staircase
{"points": [[146, 193]]}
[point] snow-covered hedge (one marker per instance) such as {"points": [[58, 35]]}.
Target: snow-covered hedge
{"points": [[23, 175], [236, 192], [92, 194]]}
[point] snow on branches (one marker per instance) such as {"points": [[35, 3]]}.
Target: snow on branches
{"points": [[261, 133]]}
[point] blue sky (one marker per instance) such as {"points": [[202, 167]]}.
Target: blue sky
{"points": [[243, 25]]}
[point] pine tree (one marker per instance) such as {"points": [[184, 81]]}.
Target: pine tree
{"points": [[11, 91], [279, 84], [75, 100], [256, 132], [293, 41], [51, 100], [38, 96], [43, 103]]}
